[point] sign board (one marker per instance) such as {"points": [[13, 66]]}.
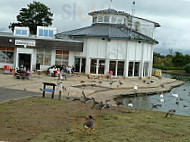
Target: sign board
{"points": [[25, 42]]}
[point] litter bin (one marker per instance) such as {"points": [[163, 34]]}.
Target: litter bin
{"points": [[6, 69]]}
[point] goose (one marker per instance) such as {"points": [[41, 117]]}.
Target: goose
{"points": [[84, 99], [170, 112], [118, 103], [175, 95], [99, 106], [94, 103], [161, 95], [89, 123], [156, 105]]}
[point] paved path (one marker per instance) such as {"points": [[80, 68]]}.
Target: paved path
{"points": [[11, 94]]}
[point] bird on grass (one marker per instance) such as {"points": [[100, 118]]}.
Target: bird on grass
{"points": [[84, 99], [99, 107], [89, 123], [118, 103], [121, 83], [170, 112]]}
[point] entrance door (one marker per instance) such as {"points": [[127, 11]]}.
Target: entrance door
{"points": [[83, 65], [25, 60]]}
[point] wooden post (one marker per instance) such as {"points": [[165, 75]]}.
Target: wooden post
{"points": [[60, 90], [44, 90], [53, 92]]}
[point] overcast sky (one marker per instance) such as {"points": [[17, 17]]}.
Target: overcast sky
{"points": [[172, 15]]}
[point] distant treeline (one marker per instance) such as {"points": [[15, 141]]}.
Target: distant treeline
{"points": [[173, 61]]}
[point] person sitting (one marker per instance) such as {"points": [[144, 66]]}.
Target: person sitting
{"points": [[28, 74]]}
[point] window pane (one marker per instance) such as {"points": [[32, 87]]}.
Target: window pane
{"points": [[51, 33], [83, 65], [112, 66], [45, 32], [24, 32], [146, 68], [136, 71], [101, 67], [41, 32], [40, 57], [94, 19], [100, 19], [120, 69], [2, 56], [120, 20], [93, 66], [18, 32], [106, 19], [114, 19], [130, 69]]}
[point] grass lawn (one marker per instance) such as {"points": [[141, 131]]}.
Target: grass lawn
{"points": [[47, 120]]}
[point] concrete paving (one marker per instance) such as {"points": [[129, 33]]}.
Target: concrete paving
{"points": [[11, 94]]}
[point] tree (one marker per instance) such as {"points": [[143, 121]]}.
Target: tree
{"points": [[37, 14], [178, 59]]}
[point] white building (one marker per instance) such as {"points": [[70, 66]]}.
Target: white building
{"points": [[115, 41]]}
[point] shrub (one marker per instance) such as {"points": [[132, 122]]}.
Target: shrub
{"points": [[187, 68]]}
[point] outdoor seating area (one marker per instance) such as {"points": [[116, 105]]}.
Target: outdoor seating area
{"points": [[22, 73]]}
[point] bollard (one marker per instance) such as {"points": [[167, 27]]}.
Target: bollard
{"points": [[60, 90]]}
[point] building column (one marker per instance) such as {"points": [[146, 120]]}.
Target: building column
{"points": [[151, 61], [126, 65], [107, 65], [142, 62], [87, 68]]}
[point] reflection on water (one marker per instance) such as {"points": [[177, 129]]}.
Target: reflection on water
{"points": [[153, 101]]}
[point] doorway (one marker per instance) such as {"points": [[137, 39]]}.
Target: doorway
{"points": [[25, 60]]}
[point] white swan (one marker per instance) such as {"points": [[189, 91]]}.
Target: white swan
{"points": [[130, 105], [161, 96], [175, 95], [162, 100]]}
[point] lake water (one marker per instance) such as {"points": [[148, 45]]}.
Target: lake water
{"points": [[147, 102]]}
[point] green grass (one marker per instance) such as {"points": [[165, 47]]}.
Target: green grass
{"points": [[47, 120]]}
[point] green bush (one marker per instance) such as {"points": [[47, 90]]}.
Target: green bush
{"points": [[187, 68]]}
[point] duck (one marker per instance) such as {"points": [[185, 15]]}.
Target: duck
{"points": [[156, 105], [177, 101], [89, 123], [175, 95], [170, 112], [118, 103]]}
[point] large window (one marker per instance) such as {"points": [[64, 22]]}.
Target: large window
{"points": [[62, 57], [45, 32], [95, 19], [100, 19], [120, 68], [93, 66], [44, 57], [133, 69], [106, 19], [146, 65], [80, 65], [21, 32], [6, 55], [112, 67], [101, 67], [114, 19]]}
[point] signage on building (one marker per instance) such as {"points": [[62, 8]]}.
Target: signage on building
{"points": [[25, 42]]}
